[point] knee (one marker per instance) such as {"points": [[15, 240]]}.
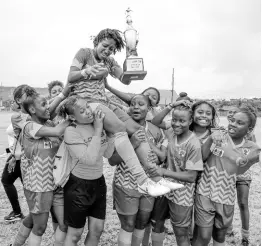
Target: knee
{"points": [[39, 230], [219, 235], [158, 226], [128, 226], [243, 204], [203, 237], [76, 237], [96, 231], [181, 233]]}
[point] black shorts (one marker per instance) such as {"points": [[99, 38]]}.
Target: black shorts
{"points": [[160, 211], [83, 198]]}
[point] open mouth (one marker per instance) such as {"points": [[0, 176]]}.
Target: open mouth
{"points": [[231, 130], [202, 121]]}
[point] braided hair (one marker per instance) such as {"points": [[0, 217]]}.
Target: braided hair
{"points": [[110, 33]]}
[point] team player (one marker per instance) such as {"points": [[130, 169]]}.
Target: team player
{"points": [[184, 160], [242, 186], [87, 77], [85, 191], [40, 141], [133, 209], [226, 155], [12, 170]]}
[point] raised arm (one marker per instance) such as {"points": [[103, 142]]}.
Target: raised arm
{"points": [[158, 119], [57, 131]]}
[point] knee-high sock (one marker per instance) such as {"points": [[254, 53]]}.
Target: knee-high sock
{"points": [[230, 229], [59, 237], [147, 234], [127, 153], [137, 237], [157, 238], [245, 234], [215, 243], [34, 240], [124, 238], [22, 235]]}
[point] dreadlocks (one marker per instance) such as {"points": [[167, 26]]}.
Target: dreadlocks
{"points": [[110, 33]]}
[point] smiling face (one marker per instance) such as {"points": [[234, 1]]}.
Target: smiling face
{"points": [[203, 115], [153, 95], [55, 91], [181, 120], [82, 112], [40, 108], [238, 125], [105, 48], [138, 108]]}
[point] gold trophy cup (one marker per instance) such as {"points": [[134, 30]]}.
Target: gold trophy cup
{"points": [[133, 66]]}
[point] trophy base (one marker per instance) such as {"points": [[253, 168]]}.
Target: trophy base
{"points": [[134, 75]]}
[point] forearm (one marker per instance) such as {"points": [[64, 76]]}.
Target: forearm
{"points": [[187, 176], [158, 119], [123, 96]]}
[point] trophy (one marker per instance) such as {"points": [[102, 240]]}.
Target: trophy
{"points": [[133, 66]]}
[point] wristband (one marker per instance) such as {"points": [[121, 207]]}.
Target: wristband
{"points": [[62, 96], [83, 73]]}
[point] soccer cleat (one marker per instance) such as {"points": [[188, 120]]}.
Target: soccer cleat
{"points": [[153, 189], [244, 242], [169, 184], [13, 217]]}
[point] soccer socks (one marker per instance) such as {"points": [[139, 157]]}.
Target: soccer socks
{"points": [[124, 238], [245, 234], [22, 235], [59, 237], [34, 240], [147, 234], [126, 151], [137, 237], [215, 243], [157, 238]]}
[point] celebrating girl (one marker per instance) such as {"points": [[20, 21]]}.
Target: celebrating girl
{"points": [[226, 155], [87, 76], [37, 164], [133, 209], [184, 160], [85, 191], [204, 118], [242, 185]]}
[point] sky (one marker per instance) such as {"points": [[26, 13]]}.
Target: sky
{"points": [[213, 46]]}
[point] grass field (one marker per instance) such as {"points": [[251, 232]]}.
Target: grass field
{"points": [[109, 237]]}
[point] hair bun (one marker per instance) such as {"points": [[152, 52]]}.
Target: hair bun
{"points": [[183, 94]]}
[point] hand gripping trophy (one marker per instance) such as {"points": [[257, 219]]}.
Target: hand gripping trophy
{"points": [[133, 66]]}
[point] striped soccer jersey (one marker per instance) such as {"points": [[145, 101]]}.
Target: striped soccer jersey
{"points": [[184, 157], [218, 180], [123, 177], [92, 90], [40, 155]]}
